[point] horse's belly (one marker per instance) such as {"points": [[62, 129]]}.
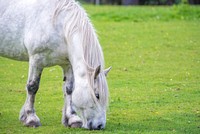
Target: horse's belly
{"points": [[11, 46], [12, 36], [12, 52]]}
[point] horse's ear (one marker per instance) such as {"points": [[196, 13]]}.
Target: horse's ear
{"points": [[97, 71], [106, 71]]}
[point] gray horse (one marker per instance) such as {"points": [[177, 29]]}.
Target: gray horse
{"points": [[57, 32]]}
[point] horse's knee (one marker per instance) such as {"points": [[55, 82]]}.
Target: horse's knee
{"points": [[33, 86]]}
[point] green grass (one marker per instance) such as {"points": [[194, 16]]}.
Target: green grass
{"points": [[155, 80]]}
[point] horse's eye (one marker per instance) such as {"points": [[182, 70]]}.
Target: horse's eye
{"points": [[97, 95]]}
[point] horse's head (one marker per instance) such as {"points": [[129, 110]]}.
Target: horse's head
{"points": [[91, 99]]}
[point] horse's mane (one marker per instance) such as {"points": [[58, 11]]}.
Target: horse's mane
{"points": [[78, 21]]}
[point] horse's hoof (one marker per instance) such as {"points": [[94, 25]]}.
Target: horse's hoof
{"points": [[32, 121], [32, 124], [76, 125], [75, 122]]}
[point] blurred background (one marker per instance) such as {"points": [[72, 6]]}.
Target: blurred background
{"points": [[142, 2]]}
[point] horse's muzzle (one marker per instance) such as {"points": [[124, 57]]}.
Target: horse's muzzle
{"points": [[99, 126]]}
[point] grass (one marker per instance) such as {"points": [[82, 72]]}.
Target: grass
{"points": [[154, 84]]}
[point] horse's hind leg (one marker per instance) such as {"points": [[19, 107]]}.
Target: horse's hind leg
{"points": [[27, 114], [69, 118]]}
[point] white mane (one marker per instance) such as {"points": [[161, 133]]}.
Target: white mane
{"points": [[78, 21]]}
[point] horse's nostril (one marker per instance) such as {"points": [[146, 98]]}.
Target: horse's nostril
{"points": [[90, 126], [93, 127], [100, 127]]}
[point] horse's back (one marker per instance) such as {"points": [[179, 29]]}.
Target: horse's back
{"points": [[26, 28]]}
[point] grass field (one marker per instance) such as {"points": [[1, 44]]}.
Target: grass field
{"points": [[154, 84]]}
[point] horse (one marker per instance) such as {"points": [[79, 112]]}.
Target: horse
{"points": [[46, 33]]}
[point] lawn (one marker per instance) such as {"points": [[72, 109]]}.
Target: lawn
{"points": [[154, 83]]}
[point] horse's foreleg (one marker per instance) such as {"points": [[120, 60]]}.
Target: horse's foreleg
{"points": [[27, 114], [70, 118]]}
